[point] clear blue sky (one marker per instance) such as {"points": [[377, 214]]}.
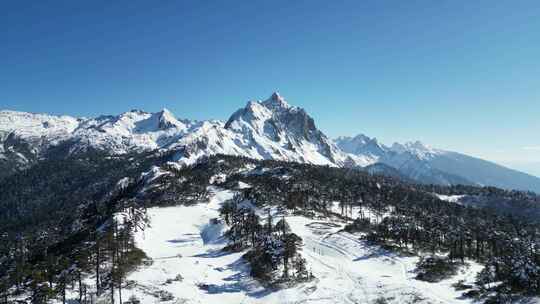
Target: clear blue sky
{"points": [[459, 75]]}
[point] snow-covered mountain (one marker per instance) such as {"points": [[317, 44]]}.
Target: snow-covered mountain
{"points": [[272, 129], [362, 145], [24, 136], [268, 129], [425, 164]]}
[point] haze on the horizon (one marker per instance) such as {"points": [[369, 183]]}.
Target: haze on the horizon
{"points": [[460, 76]]}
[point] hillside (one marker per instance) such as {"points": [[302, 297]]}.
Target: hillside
{"points": [[159, 232]]}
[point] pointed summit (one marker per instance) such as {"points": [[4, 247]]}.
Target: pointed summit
{"points": [[276, 96], [414, 146], [167, 120], [361, 145], [166, 111], [276, 101]]}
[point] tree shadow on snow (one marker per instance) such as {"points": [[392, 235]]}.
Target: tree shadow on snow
{"points": [[375, 251], [240, 281], [215, 253], [180, 241]]}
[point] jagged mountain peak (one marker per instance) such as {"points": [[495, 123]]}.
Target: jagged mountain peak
{"points": [[275, 110], [137, 121], [168, 120], [273, 107], [361, 145], [275, 118], [139, 111], [276, 101], [360, 139], [166, 111], [416, 148], [417, 145], [285, 132]]}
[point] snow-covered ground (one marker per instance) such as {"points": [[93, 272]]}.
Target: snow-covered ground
{"points": [[451, 198], [350, 271], [183, 241]]}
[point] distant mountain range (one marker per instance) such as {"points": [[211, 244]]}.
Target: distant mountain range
{"points": [[269, 129]]}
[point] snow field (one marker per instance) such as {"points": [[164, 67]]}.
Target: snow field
{"points": [[183, 241]]}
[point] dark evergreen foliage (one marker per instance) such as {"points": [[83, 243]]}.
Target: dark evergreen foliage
{"points": [[57, 224], [270, 246]]}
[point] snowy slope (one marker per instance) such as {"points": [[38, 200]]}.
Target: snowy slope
{"points": [[23, 136], [27, 125], [484, 172], [183, 241]]}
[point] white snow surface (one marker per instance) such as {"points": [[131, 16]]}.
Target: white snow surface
{"points": [[183, 241], [35, 126], [450, 198], [417, 148], [370, 148]]}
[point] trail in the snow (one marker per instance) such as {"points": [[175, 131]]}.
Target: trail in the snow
{"points": [[405, 274], [324, 249], [320, 249]]}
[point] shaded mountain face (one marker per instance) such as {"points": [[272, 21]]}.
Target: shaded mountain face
{"points": [[267, 129], [484, 173]]}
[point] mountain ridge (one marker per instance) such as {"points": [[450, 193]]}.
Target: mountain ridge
{"points": [[262, 129]]}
